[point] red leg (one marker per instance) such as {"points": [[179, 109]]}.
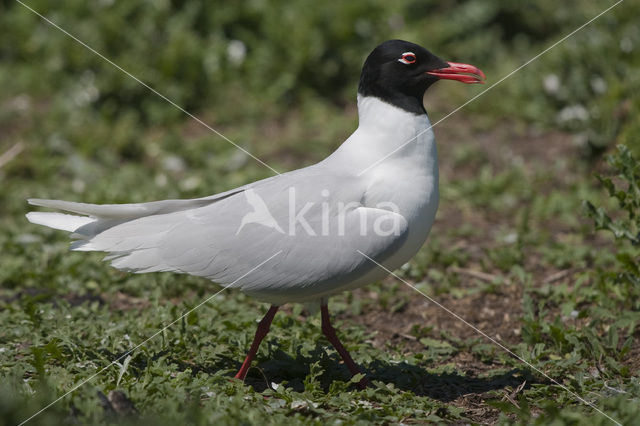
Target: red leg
{"points": [[263, 329], [330, 333]]}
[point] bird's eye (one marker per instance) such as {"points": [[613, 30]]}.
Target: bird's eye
{"points": [[408, 58]]}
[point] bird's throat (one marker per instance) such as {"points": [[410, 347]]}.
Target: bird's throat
{"points": [[386, 134]]}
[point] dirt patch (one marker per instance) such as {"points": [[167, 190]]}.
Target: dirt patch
{"points": [[632, 360], [498, 315], [120, 301], [503, 145]]}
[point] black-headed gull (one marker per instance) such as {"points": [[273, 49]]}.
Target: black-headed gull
{"points": [[376, 195]]}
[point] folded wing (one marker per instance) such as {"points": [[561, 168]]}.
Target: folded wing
{"points": [[316, 222]]}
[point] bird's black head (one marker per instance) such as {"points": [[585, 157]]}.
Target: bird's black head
{"points": [[399, 72]]}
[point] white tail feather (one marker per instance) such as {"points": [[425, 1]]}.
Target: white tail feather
{"points": [[129, 232], [64, 222]]}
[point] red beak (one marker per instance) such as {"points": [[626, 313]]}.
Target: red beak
{"points": [[462, 72]]}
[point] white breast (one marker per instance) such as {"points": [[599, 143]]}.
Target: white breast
{"points": [[395, 152]]}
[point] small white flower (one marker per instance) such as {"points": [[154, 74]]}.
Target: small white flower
{"points": [[236, 51], [551, 84], [190, 183], [626, 45], [78, 185], [161, 180], [573, 112], [510, 238], [173, 163], [598, 84], [85, 91]]}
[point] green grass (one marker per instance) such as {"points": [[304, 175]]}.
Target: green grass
{"points": [[511, 251]]}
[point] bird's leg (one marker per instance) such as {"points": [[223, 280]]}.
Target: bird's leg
{"points": [[330, 333], [263, 329]]}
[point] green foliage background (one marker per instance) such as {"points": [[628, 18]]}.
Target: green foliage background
{"points": [[279, 78]]}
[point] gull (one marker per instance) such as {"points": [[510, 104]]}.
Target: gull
{"points": [[326, 226]]}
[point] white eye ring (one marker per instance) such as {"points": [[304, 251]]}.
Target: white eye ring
{"points": [[408, 58]]}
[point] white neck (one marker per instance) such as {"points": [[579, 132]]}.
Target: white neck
{"points": [[387, 135]]}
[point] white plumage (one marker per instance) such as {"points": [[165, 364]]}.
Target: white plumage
{"points": [[207, 236]]}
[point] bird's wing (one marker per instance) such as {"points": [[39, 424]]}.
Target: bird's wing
{"points": [[321, 223], [131, 211]]}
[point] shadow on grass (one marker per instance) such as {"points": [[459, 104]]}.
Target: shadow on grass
{"points": [[280, 366], [442, 386]]}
